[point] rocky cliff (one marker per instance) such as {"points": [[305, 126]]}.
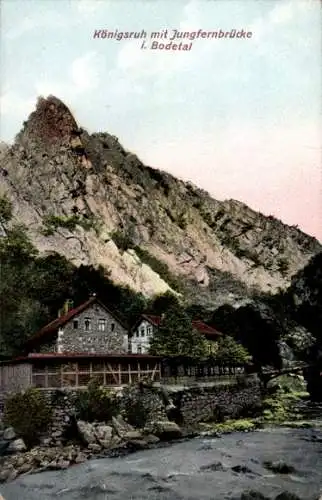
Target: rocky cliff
{"points": [[88, 198]]}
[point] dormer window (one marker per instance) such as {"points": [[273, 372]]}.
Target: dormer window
{"points": [[87, 324], [149, 330], [142, 332], [75, 324], [101, 325]]}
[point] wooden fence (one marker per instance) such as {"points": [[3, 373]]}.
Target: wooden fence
{"points": [[77, 374]]}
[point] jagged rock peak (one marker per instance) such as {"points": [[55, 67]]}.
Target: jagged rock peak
{"points": [[51, 123]]}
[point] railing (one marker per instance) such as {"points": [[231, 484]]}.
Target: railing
{"points": [[78, 375], [175, 368]]}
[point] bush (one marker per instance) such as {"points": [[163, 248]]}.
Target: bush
{"points": [[140, 403], [29, 414], [54, 222], [96, 403], [161, 268], [122, 240], [135, 413]]}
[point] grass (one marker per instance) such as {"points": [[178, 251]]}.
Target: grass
{"points": [[238, 425], [278, 409]]}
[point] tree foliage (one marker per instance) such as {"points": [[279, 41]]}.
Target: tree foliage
{"points": [[33, 287], [177, 337], [161, 303], [96, 403], [231, 352], [28, 413]]}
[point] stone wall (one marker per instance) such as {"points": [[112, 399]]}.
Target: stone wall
{"points": [[191, 405], [75, 338], [202, 404]]}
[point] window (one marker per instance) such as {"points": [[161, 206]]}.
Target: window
{"points": [[142, 332], [149, 330], [75, 324], [112, 327], [101, 325], [139, 349], [87, 324]]}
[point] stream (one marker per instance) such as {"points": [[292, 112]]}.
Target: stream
{"points": [[198, 469]]}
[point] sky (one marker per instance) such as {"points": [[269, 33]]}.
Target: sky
{"points": [[240, 118]]}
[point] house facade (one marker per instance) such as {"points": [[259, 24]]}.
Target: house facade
{"points": [[145, 328], [88, 328], [89, 341], [142, 333]]}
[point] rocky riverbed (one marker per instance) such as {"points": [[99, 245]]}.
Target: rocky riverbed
{"points": [[269, 461]]}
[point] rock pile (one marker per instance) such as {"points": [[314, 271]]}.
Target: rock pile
{"points": [[94, 440]]}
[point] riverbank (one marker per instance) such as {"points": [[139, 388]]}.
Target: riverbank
{"points": [[208, 468], [83, 441], [121, 439]]}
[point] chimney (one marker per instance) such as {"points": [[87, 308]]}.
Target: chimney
{"points": [[68, 305]]}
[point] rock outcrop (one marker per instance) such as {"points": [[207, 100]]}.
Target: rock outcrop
{"points": [[103, 206]]}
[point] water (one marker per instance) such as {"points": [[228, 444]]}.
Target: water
{"points": [[184, 471]]}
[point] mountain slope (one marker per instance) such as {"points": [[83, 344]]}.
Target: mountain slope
{"points": [[89, 199]]}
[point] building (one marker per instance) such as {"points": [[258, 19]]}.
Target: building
{"points": [[74, 370], [89, 341], [147, 325], [89, 328]]}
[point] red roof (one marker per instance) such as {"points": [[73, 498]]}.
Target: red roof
{"points": [[154, 320], [53, 326], [76, 355], [204, 328], [199, 325]]}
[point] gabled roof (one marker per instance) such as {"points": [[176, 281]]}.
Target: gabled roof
{"points": [[154, 320], [200, 326], [205, 329], [54, 325]]}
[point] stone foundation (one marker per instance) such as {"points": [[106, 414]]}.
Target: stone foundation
{"points": [[202, 404]]}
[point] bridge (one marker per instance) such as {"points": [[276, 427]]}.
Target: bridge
{"points": [[267, 374]]}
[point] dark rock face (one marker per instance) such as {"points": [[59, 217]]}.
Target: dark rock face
{"points": [[221, 251], [51, 124], [305, 302]]}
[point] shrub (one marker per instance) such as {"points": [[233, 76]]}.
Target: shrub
{"points": [[122, 240], [96, 403], [135, 413], [139, 404], [54, 222], [161, 268], [29, 414]]}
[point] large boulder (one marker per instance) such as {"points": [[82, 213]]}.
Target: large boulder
{"points": [[165, 430], [104, 434], [120, 426], [9, 434], [279, 467], [253, 495], [86, 432], [286, 495], [16, 446]]}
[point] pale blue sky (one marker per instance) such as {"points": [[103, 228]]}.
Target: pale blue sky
{"points": [[240, 118]]}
